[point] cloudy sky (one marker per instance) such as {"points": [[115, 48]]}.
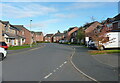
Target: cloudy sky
{"points": [[52, 16]]}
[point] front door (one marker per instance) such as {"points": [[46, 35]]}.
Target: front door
{"points": [[13, 42]]}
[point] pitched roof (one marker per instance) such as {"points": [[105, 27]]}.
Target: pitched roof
{"points": [[88, 24], [5, 22], [71, 28], [59, 34], [15, 27], [92, 27], [20, 27], [38, 33], [117, 17], [49, 35]]}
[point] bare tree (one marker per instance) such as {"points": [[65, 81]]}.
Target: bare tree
{"points": [[92, 18]]}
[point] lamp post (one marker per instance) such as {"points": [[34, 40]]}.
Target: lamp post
{"points": [[31, 35]]}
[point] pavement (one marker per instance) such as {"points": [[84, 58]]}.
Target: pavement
{"points": [[108, 59], [49, 63], [97, 67]]}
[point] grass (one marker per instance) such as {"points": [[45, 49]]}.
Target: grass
{"points": [[104, 52], [18, 47]]}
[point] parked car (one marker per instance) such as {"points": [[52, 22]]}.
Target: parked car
{"points": [[91, 44], [63, 41], [3, 53], [3, 45]]}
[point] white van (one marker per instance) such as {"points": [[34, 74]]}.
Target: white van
{"points": [[114, 40]]}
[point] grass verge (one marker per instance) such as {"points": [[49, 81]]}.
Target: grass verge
{"points": [[104, 52], [17, 47]]}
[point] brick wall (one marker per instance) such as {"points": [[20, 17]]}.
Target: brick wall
{"points": [[48, 39], [27, 35]]}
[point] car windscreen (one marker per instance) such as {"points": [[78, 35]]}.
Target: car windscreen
{"points": [[3, 44]]}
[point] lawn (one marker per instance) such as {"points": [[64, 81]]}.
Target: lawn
{"points": [[17, 47], [104, 52]]}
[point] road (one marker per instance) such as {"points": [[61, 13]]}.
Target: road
{"points": [[49, 63]]}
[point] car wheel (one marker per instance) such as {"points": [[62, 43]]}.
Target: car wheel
{"points": [[1, 57], [101, 48]]}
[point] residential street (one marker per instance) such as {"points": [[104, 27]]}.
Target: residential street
{"points": [[49, 63]]}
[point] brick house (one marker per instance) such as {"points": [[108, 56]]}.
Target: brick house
{"points": [[25, 33], [112, 24], [48, 38], [68, 35], [37, 36], [116, 23], [90, 30], [10, 35], [58, 36], [73, 38]]}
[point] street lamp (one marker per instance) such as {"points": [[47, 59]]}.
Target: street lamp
{"points": [[31, 35]]}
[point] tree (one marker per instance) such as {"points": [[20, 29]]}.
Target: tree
{"points": [[65, 31], [58, 31], [80, 34], [99, 36]]}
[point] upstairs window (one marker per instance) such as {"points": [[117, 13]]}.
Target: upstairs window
{"points": [[109, 25], [23, 32]]}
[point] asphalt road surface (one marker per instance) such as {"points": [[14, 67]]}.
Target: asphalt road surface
{"points": [[49, 63]]}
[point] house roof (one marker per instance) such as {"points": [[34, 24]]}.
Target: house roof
{"points": [[14, 27], [92, 27], [117, 17], [20, 27], [88, 24], [5, 22], [110, 20], [59, 34], [10, 35], [49, 35], [38, 33], [71, 28]]}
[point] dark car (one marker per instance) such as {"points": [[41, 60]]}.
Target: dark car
{"points": [[3, 45]]}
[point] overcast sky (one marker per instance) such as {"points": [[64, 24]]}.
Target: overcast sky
{"points": [[52, 16]]}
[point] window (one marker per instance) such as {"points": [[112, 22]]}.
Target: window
{"points": [[7, 40], [109, 25], [23, 33]]}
